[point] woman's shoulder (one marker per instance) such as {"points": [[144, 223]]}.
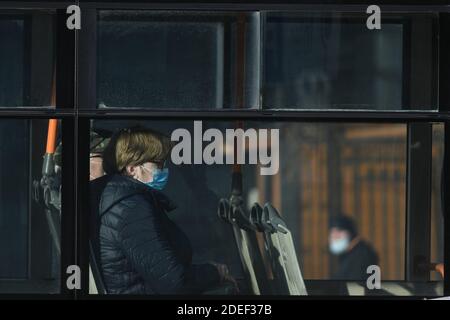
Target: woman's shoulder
{"points": [[122, 192], [135, 208]]}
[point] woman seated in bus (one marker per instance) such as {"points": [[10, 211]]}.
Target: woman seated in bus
{"points": [[141, 250]]}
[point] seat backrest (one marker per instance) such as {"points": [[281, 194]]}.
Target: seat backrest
{"points": [[92, 285], [282, 254]]}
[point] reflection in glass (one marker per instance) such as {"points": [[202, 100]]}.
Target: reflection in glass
{"points": [[177, 60], [26, 59], [332, 61]]}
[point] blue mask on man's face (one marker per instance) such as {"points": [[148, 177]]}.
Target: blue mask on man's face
{"points": [[160, 178]]}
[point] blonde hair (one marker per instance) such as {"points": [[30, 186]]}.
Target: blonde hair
{"points": [[135, 146]]}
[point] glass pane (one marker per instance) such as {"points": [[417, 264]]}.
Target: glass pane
{"points": [[26, 58], [29, 226], [333, 61], [340, 189], [14, 198], [355, 170], [148, 59]]}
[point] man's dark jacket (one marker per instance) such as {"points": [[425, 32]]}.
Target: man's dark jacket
{"points": [[139, 249], [353, 264]]}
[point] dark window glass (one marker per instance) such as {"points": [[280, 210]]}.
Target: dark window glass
{"points": [[29, 226], [177, 60], [26, 58], [14, 198], [333, 61], [11, 65]]}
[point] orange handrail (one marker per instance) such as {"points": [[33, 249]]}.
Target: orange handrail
{"points": [[51, 136]]}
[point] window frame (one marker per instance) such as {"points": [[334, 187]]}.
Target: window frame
{"points": [[64, 60], [73, 79]]}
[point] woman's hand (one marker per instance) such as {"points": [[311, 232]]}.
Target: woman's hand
{"points": [[440, 268], [225, 275]]}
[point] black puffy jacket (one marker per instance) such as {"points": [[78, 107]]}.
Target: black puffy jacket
{"points": [[141, 251]]}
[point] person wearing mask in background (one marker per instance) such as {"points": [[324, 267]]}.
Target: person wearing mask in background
{"points": [[354, 254], [141, 250]]}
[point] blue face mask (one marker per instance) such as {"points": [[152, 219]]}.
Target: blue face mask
{"points": [[160, 178], [339, 246]]}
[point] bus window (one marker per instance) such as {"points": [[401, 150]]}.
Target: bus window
{"points": [[14, 202], [26, 58], [178, 60], [29, 226], [332, 61], [339, 188]]}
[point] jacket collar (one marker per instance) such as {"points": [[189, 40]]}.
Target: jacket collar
{"points": [[120, 187]]}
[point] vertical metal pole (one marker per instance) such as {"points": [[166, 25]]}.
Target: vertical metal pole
{"points": [[418, 205]]}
